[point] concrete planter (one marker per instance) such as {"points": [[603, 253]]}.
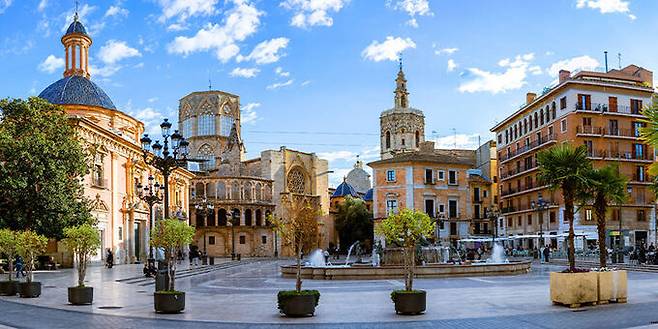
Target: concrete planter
{"points": [[8, 288], [410, 303], [298, 306], [169, 301], [612, 286], [81, 295], [29, 289], [574, 289]]}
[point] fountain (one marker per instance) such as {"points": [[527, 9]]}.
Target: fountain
{"points": [[349, 252], [497, 255], [316, 259]]}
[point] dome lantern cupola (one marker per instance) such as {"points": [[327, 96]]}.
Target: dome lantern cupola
{"points": [[76, 43]]}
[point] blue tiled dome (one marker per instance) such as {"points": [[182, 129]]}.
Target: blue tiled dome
{"points": [[344, 189], [77, 90], [368, 196], [76, 27]]}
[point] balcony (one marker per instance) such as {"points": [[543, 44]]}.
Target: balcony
{"points": [[604, 108], [528, 208], [531, 186], [99, 182], [618, 156], [520, 170], [533, 145], [641, 179], [607, 132]]}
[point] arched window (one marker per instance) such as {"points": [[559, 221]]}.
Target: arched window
{"points": [[388, 139], [221, 217], [247, 191], [210, 217], [221, 190], [247, 218], [235, 191], [226, 125], [541, 116], [200, 190], [417, 138], [548, 114], [206, 153], [212, 190], [259, 218], [553, 114], [296, 181], [530, 123], [206, 125], [536, 121], [187, 127]]}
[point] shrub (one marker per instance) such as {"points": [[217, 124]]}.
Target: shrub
{"points": [[285, 295], [30, 245], [83, 241]]}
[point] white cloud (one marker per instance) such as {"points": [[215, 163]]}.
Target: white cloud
{"points": [[535, 70], [104, 71], [280, 72], [451, 65], [607, 6], [152, 99], [389, 49], [307, 13], [51, 64], [459, 141], [116, 11], [184, 9], [116, 50], [413, 8], [42, 5], [249, 114], [338, 155], [446, 51], [244, 72], [266, 52], [83, 12], [512, 78], [176, 27], [239, 22], [4, 4], [306, 83], [571, 64], [278, 85]]}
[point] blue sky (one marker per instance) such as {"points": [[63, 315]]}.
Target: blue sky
{"points": [[314, 75]]}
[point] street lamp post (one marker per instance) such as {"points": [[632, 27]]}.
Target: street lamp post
{"points": [[493, 215], [540, 206], [439, 220], [203, 208], [235, 220], [166, 158], [151, 195]]}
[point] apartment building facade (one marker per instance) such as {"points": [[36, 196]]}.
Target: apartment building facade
{"points": [[601, 111]]}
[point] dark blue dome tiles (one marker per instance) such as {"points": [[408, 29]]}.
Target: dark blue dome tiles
{"points": [[77, 90]]}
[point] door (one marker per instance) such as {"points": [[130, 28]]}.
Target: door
{"points": [[613, 128], [138, 241], [612, 104], [429, 208], [452, 209]]}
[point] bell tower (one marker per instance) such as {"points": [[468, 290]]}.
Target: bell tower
{"points": [[76, 43], [402, 128]]}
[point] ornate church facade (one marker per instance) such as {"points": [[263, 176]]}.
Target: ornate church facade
{"points": [[111, 138], [232, 197]]}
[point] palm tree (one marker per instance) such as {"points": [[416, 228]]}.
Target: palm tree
{"points": [[649, 134], [565, 167], [605, 186]]}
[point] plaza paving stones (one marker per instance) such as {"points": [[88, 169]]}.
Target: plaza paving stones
{"points": [[244, 296]]}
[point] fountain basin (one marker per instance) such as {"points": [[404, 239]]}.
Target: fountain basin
{"points": [[368, 272]]}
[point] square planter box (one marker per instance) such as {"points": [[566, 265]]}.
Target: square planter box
{"points": [[574, 289], [613, 286]]}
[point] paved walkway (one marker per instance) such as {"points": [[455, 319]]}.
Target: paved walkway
{"points": [[245, 297]]}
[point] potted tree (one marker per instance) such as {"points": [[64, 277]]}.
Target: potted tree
{"points": [[8, 247], [566, 168], [29, 246], [83, 241], [405, 229], [170, 234], [606, 185], [299, 229]]}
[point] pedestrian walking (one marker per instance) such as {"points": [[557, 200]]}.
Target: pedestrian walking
{"points": [[547, 254], [20, 266], [109, 258]]}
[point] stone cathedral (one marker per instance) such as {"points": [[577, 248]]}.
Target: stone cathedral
{"points": [[229, 186]]}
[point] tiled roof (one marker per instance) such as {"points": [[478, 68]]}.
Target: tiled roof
{"points": [[368, 196], [345, 189], [465, 157], [77, 90], [76, 27]]}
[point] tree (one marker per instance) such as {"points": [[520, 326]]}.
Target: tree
{"points": [[406, 229], [565, 167], [83, 241], [353, 222], [605, 186], [42, 164], [30, 245], [171, 235], [649, 134], [299, 228], [8, 247]]}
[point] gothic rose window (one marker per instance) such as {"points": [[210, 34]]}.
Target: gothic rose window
{"points": [[296, 181]]}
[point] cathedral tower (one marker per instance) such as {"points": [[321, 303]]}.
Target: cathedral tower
{"points": [[402, 128]]}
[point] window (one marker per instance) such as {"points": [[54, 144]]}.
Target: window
{"points": [[476, 211], [587, 122], [550, 131], [615, 214], [588, 215], [476, 194], [206, 153], [509, 221], [429, 208], [441, 174], [640, 216], [590, 151], [563, 125], [530, 220], [636, 106], [636, 128], [552, 217], [613, 127], [584, 102], [243, 239], [639, 174], [206, 125], [390, 175], [429, 176], [442, 209], [638, 151], [500, 138], [563, 103], [518, 222], [536, 121], [612, 104], [484, 193], [388, 139], [391, 206], [187, 127], [541, 116], [548, 115], [452, 208], [553, 111], [452, 177], [263, 239], [226, 125], [98, 177], [417, 138], [120, 233], [211, 240], [403, 144]]}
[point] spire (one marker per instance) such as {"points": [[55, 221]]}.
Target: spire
{"points": [[76, 43], [401, 93]]}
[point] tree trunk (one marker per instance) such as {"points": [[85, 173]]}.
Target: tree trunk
{"points": [[568, 214], [10, 261], [600, 208], [298, 283], [410, 270], [171, 269]]}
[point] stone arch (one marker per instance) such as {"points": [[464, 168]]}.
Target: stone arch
{"points": [[211, 189], [210, 217], [553, 110], [236, 211], [200, 190], [221, 190], [297, 180], [206, 153], [248, 191], [259, 218], [267, 192], [248, 217], [222, 220], [417, 138], [388, 139], [536, 121], [235, 190], [259, 191]]}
